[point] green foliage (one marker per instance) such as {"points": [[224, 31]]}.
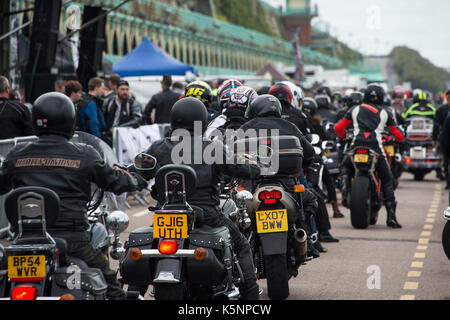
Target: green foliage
{"points": [[410, 66], [242, 12]]}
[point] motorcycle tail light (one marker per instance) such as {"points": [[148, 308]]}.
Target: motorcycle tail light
{"points": [[408, 160], [168, 247], [270, 197], [25, 292], [361, 151]]}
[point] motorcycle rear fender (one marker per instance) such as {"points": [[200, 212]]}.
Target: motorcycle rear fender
{"points": [[274, 243], [286, 201], [168, 271]]}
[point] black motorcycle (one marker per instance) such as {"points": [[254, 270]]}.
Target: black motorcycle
{"points": [[278, 239], [182, 258], [38, 267]]}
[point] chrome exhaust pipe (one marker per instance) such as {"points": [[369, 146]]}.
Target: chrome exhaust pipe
{"points": [[398, 157], [301, 250]]}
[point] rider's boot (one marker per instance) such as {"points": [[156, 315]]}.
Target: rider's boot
{"points": [[391, 218], [345, 189], [336, 212]]}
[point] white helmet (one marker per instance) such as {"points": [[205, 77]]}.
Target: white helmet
{"points": [[297, 101]]}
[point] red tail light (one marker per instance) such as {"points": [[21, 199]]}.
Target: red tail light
{"points": [[270, 196], [24, 293], [408, 160], [168, 246], [364, 151]]}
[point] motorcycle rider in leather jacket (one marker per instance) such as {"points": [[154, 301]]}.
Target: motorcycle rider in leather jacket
{"points": [[68, 168], [265, 113], [186, 114], [369, 120]]}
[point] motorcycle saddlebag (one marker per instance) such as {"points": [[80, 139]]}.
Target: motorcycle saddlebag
{"points": [[210, 271], [137, 273], [83, 284]]}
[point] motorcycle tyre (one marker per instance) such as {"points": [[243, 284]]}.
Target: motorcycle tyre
{"points": [[277, 276], [446, 239], [360, 205]]}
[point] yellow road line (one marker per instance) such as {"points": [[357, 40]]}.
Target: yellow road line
{"points": [[423, 242]]}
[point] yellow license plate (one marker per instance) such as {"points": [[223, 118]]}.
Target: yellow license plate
{"points": [[170, 226], [271, 221], [390, 150], [26, 267], [361, 158]]}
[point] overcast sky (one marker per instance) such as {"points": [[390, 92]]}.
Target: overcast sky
{"points": [[376, 26]]}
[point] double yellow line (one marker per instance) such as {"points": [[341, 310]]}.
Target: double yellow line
{"points": [[422, 245]]}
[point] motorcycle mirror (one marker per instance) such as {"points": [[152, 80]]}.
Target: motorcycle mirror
{"points": [[117, 221], [315, 139], [244, 195], [145, 161], [318, 151]]}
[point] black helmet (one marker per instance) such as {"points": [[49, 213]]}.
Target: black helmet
{"points": [[324, 90], [323, 101], [264, 106], [310, 105], [53, 113], [374, 94], [355, 99], [186, 111]]}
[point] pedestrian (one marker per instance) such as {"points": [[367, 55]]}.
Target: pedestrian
{"points": [[124, 110], [15, 118], [90, 113], [439, 120], [113, 82], [60, 86], [160, 104]]}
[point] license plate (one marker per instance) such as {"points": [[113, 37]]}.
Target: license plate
{"points": [[26, 267], [361, 158], [170, 226], [418, 125], [390, 150], [418, 153], [271, 221]]}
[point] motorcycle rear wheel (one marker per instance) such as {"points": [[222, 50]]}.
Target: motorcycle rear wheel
{"points": [[360, 205], [277, 276]]}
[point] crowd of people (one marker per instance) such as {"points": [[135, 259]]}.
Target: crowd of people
{"points": [[219, 105]]}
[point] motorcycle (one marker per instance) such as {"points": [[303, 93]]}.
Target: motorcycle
{"points": [[38, 267], [422, 157], [67, 268], [178, 255], [278, 242]]}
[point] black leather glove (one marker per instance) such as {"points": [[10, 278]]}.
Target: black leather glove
{"points": [[141, 182]]}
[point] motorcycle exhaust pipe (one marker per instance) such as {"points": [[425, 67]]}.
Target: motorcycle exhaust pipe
{"points": [[398, 157], [301, 248]]}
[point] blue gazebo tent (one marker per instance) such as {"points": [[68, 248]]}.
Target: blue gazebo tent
{"points": [[149, 60]]}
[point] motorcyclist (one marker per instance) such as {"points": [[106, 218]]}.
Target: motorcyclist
{"points": [[224, 91], [68, 168], [369, 120], [186, 114], [266, 113], [233, 114], [291, 99], [325, 109], [421, 106], [201, 91]]}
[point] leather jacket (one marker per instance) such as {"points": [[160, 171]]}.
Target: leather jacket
{"points": [[67, 168]]}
